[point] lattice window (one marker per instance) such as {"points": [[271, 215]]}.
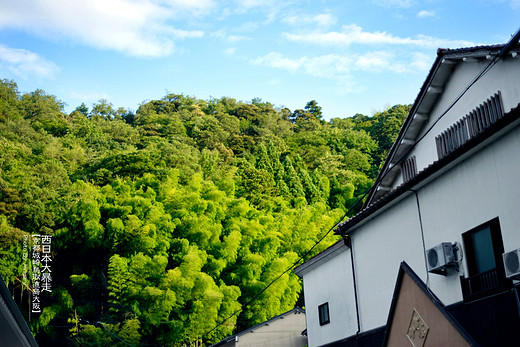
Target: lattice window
{"points": [[475, 122], [409, 169]]}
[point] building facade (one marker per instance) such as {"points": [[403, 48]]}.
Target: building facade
{"points": [[446, 203]]}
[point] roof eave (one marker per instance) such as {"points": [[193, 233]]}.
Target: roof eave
{"points": [[318, 258], [508, 122], [432, 88]]}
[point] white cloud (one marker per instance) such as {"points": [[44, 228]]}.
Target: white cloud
{"points": [[277, 60], [425, 13], [341, 67], [272, 9], [229, 51], [88, 97], [137, 28], [248, 4], [237, 38], [247, 27], [26, 64], [323, 19], [328, 66], [421, 61], [354, 34], [378, 61], [394, 3], [185, 34], [199, 6], [222, 35]]}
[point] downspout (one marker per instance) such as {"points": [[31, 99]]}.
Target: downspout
{"points": [[515, 289], [348, 242], [422, 236]]}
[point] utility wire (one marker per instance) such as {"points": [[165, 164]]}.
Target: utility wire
{"points": [[488, 67], [111, 333], [290, 267]]}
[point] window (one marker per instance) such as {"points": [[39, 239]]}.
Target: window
{"points": [[409, 169], [323, 312], [484, 248]]}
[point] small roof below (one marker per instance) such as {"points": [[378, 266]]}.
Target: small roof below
{"points": [[418, 317], [235, 337]]}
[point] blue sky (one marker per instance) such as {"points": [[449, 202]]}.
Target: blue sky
{"points": [[349, 56]]}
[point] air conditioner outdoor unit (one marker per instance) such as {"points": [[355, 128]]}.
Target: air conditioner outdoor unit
{"points": [[512, 264], [441, 259]]}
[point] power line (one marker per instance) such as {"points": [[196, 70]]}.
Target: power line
{"points": [[111, 333], [453, 103], [488, 67], [290, 267]]}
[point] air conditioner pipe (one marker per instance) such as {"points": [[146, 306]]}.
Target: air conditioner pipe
{"points": [[348, 242]]}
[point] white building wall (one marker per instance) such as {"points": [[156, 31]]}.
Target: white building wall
{"points": [[331, 282], [507, 164], [379, 248], [477, 190]]}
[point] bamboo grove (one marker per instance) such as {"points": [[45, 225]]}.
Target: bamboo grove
{"points": [[166, 220]]}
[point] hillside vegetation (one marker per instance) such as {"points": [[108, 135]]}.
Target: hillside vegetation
{"points": [[167, 220]]}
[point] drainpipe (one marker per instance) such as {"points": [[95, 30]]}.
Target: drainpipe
{"points": [[515, 289], [422, 236], [348, 242]]}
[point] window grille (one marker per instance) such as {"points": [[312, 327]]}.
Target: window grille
{"points": [[475, 122], [409, 169]]}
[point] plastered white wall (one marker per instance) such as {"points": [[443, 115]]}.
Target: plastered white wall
{"points": [[475, 191], [331, 282]]}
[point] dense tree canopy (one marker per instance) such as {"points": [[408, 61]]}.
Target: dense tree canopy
{"points": [[166, 221]]}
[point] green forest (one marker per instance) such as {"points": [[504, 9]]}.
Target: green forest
{"points": [[168, 220]]}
